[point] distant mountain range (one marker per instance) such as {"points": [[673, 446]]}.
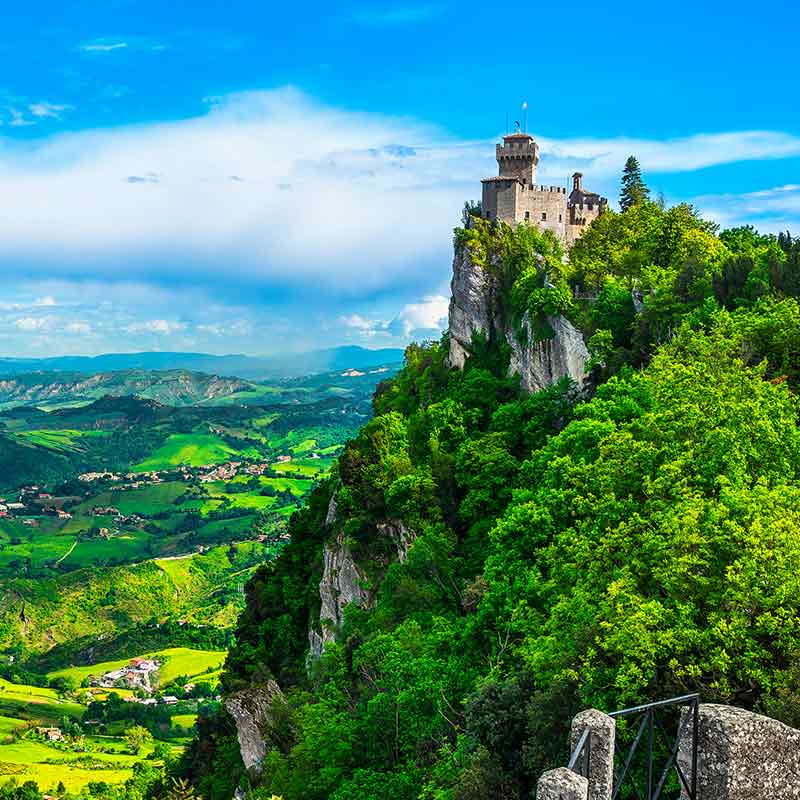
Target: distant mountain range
{"points": [[170, 387], [292, 365]]}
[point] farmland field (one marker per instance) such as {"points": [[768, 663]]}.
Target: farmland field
{"points": [[100, 562], [176, 661], [190, 449]]}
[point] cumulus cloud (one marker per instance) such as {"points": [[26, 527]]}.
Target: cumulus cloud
{"points": [[29, 324], [423, 319], [79, 328], [280, 191], [160, 326]]}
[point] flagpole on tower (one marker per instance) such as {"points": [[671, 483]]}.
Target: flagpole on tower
{"points": [[525, 117]]}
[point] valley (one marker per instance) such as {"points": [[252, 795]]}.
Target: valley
{"points": [[134, 508]]}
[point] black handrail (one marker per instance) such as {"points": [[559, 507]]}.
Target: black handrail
{"points": [[582, 754], [580, 758]]}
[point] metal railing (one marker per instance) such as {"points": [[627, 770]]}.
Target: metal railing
{"points": [[647, 764], [581, 757]]}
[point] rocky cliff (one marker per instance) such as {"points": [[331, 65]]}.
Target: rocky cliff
{"points": [[477, 307], [256, 714], [344, 581]]}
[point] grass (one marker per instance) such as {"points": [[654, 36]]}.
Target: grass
{"points": [[184, 720], [175, 660], [150, 499], [22, 702], [59, 440], [309, 467], [47, 776], [306, 446], [191, 449]]}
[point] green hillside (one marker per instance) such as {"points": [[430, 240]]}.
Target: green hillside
{"points": [[599, 548]]}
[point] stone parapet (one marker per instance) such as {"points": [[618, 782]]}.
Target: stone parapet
{"points": [[562, 784], [741, 755], [601, 750]]}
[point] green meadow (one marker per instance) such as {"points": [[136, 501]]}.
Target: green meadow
{"points": [[192, 450], [175, 661]]}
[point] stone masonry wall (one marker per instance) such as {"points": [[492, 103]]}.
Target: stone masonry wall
{"points": [[741, 755]]}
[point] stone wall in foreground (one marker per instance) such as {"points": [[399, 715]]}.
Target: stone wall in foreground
{"points": [[742, 756]]}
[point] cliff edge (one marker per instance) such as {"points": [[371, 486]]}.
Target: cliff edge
{"points": [[477, 306]]}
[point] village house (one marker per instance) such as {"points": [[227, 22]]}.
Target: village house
{"points": [[105, 511], [51, 734]]}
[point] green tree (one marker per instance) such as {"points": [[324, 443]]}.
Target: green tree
{"points": [[634, 190], [137, 737]]}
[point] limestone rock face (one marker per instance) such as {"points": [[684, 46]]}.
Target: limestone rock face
{"points": [[741, 755], [343, 581], [401, 536], [340, 585], [252, 711], [543, 363], [475, 307]]}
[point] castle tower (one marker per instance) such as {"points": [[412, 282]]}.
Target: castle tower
{"points": [[517, 157]]}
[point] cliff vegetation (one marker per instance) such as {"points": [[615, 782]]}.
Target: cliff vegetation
{"points": [[601, 545]]}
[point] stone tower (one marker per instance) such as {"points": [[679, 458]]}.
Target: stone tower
{"points": [[513, 196], [518, 157]]}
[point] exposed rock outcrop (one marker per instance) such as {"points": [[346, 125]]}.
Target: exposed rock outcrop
{"points": [[253, 711], [344, 582], [542, 363], [476, 307], [402, 536], [341, 584]]}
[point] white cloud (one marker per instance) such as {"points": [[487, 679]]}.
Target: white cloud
{"points": [[770, 210], [415, 320], [603, 158], [272, 190], [103, 46], [79, 328], [427, 316], [28, 324], [17, 118], [45, 110], [160, 326], [237, 327], [47, 300]]}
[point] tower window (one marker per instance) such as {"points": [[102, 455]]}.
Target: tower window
{"points": [[559, 218], [527, 215], [544, 216]]}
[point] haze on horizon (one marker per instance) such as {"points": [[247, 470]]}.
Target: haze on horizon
{"points": [[230, 181]]}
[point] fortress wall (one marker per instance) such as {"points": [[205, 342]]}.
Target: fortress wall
{"points": [[501, 200], [545, 200]]}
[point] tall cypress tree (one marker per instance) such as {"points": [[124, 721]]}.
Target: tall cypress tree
{"points": [[634, 189]]}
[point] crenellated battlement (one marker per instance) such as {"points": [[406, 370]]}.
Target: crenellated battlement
{"points": [[514, 197]]}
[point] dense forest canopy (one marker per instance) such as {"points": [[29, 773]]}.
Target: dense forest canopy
{"points": [[599, 547]]}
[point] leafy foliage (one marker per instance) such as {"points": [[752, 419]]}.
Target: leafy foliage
{"points": [[569, 549]]}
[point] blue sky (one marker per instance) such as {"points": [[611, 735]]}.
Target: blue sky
{"points": [[252, 177]]}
